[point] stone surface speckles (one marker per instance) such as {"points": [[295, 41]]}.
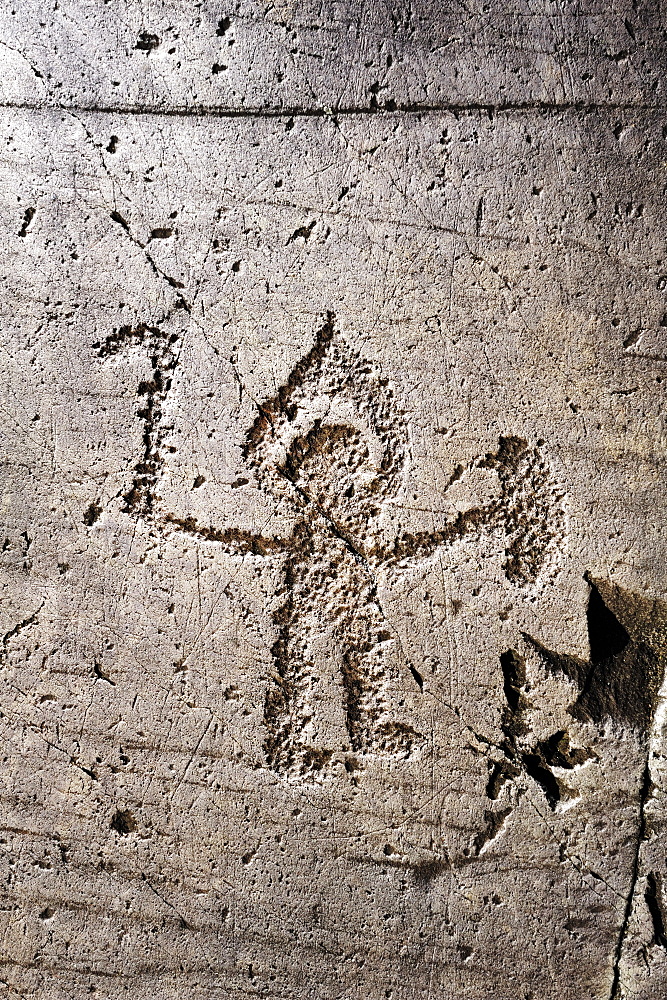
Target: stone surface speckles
{"points": [[333, 604]]}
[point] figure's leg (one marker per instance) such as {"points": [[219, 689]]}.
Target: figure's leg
{"points": [[334, 601], [288, 710], [368, 650]]}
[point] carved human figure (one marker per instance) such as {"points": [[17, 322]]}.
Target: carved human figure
{"points": [[333, 444]]}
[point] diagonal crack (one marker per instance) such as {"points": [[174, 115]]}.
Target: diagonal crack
{"points": [[362, 561], [122, 222], [644, 794], [4, 642]]}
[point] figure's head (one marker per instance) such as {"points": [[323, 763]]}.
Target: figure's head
{"points": [[332, 431]]}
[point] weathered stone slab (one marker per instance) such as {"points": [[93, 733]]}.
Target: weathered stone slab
{"points": [[333, 592], [341, 55]]}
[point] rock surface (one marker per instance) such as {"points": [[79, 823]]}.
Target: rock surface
{"points": [[334, 605]]}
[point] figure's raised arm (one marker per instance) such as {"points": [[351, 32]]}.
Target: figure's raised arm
{"points": [[234, 541]]}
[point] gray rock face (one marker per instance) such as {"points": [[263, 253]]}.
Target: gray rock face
{"points": [[342, 55], [334, 603]]}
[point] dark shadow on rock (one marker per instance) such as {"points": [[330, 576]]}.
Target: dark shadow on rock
{"points": [[627, 634]]}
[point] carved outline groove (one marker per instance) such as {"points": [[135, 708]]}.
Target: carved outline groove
{"points": [[333, 442]]}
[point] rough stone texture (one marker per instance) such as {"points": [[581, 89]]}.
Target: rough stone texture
{"points": [[346, 54], [334, 603]]}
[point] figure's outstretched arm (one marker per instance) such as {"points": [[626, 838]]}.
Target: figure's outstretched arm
{"points": [[421, 544], [233, 541]]}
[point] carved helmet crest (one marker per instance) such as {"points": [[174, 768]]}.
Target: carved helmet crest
{"points": [[335, 411]]}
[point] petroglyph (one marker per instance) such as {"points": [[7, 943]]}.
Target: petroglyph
{"points": [[332, 353], [334, 444], [162, 352]]}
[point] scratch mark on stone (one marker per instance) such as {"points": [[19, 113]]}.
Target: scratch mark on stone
{"points": [[183, 922], [219, 111]]}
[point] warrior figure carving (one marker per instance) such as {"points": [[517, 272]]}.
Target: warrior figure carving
{"points": [[333, 443]]}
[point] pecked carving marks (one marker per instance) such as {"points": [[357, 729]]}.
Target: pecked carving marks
{"points": [[281, 405], [162, 350], [333, 442], [335, 470], [339, 469], [529, 511], [531, 508], [346, 462], [234, 541], [329, 591]]}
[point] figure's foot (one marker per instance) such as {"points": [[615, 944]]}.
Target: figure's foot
{"points": [[308, 763], [305, 762], [314, 762], [395, 739]]}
